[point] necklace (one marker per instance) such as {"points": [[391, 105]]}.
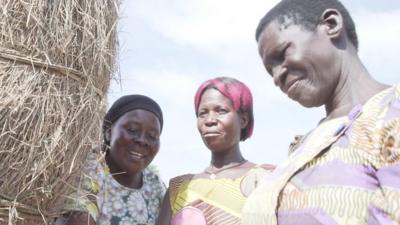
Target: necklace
{"points": [[213, 171]]}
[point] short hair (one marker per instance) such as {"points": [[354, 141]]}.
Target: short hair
{"points": [[236, 91], [307, 13]]}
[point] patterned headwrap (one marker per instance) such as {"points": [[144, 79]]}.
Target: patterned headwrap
{"points": [[237, 92]]}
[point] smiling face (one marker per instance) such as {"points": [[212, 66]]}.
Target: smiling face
{"points": [[218, 123], [302, 63], [134, 141]]}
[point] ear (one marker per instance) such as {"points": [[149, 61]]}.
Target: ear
{"points": [[244, 119], [107, 134], [332, 21]]}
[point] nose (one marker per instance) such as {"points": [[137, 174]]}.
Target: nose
{"points": [[279, 73], [140, 139], [210, 120]]}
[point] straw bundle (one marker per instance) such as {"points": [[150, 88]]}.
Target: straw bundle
{"points": [[56, 61]]}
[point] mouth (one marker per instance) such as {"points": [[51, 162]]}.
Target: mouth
{"points": [[136, 155], [211, 134], [291, 85]]}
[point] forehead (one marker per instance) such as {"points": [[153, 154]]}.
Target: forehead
{"points": [[212, 96], [140, 116], [277, 33]]}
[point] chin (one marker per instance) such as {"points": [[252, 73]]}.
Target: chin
{"points": [[308, 103]]}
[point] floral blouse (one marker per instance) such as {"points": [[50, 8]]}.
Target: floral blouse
{"points": [[111, 203]]}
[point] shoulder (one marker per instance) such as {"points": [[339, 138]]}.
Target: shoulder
{"points": [[94, 171], [267, 167], [151, 173], [179, 180], [255, 177], [386, 134], [383, 100], [380, 123], [153, 178], [178, 184], [259, 172], [84, 199]]}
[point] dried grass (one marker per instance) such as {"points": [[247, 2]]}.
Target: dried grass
{"points": [[56, 61]]}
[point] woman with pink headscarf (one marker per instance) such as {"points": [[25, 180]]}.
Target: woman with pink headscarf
{"points": [[224, 111]]}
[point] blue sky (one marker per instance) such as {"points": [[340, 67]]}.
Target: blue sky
{"points": [[169, 47]]}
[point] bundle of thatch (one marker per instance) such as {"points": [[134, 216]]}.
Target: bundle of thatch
{"points": [[56, 59]]}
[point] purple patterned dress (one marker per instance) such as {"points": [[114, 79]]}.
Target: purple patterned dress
{"points": [[345, 171]]}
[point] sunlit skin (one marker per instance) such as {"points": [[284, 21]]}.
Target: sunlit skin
{"points": [[298, 66], [219, 125], [134, 142], [319, 67]]}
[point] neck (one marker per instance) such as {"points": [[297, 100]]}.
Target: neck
{"points": [[355, 86], [227, 157], [124, 178]]}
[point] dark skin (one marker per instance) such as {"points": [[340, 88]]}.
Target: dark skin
{"points": [[134, 142], [219, 126], [334, 77]]}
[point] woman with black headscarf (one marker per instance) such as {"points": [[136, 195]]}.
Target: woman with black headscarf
{"points": [[120, 187]]}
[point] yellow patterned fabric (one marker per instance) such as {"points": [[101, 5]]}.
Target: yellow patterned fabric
{"points": [[345, 171], [219, 201]]}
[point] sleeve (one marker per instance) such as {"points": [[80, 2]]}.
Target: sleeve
{"points": [[83, 198], [255, 177], [385, 204], [177, 185]]}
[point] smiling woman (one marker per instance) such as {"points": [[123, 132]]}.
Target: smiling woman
{"points": [[119, 187], [224, 110]]}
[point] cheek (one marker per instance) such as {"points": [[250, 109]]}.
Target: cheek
{"points": [[119, 140], [233, 128], [199, 125], [155, 150]]}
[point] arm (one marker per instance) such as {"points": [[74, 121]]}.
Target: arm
{"points": [[164, 217]]}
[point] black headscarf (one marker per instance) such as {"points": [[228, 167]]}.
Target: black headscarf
{"points": [[128, 103]]}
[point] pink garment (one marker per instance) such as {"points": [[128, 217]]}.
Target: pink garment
{"points": [[189, 216]]}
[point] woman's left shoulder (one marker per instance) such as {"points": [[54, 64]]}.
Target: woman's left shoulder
{"points": [[152, 176], [256, 176], [152, 172], [261, 169], [267, 167]]}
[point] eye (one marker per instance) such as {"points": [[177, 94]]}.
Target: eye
{"points": [[133, 130], [222, 111], [201, 114], [276, 58], [283, 52], [153, 137]]}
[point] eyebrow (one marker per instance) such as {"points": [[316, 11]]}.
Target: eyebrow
{"points": [[275, 50]]}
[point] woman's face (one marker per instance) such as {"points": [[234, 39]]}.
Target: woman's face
{"points": [[218, 122], [302, 63], [134, 141]]}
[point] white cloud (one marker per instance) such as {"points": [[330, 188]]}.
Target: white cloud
{"points": [[204, 23]]}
